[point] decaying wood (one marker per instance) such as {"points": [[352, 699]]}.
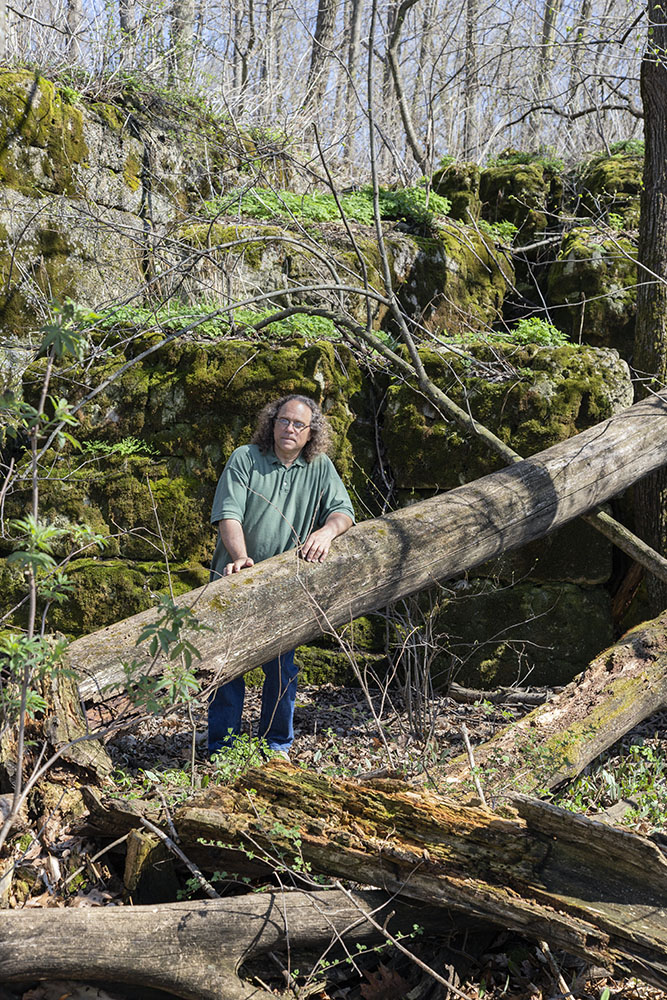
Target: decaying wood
{"points": [[593, 890], [192, 950], [553, 743], [382, 560]]}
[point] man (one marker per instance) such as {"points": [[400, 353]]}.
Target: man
{"points": [[279, 492]]}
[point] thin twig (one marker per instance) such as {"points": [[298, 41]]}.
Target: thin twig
{"points": [[473, 768]]}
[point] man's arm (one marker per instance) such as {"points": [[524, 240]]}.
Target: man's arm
{"points": [[317, 545], [231, 533]]}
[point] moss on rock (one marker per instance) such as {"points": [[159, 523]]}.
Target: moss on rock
{"points": [[611, 185], [593, 283], [524, 634], [530, 397], [528, 195], [459, 182]]}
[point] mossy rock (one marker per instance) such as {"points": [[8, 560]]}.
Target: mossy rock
{"points": [[42, 145], [457, 282], [106, 591], [459, 182], [612, 185], [526, 634], [196, 402], [530, 397], [592, 286], [529, 195]]}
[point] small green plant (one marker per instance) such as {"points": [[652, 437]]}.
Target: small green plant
{"points": [[636, 775], [510, 157], [535, 330], [231, 761], [627, 147], [503, 232]]}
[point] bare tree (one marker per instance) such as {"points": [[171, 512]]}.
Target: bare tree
{"points": [[322, 44], [182, 34]]}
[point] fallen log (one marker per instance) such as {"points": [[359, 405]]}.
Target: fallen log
{"points": [[284, 601], [590, 889], [191, 949], [552, 744]]}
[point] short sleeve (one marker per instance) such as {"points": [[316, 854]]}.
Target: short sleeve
{"points": [[231, 493], [334, 497]]}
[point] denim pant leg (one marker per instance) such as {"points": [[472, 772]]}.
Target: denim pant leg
{"points": [[278, 698], [224, 713]]}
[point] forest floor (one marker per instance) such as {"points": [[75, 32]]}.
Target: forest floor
{"points": [[341, 732]]}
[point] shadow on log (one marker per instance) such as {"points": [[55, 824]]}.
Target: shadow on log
{"points": [[192, 950]]}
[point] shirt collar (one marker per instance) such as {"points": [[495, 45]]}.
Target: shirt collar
{"points": [[300, 460]]}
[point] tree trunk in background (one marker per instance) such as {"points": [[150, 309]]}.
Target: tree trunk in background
{"points": [[4, 31], [471, 86], [127, 17], [352, 107], [319, 56], [650, 357], [399, 15], [74, 25], [181, 38], [545, 56]]}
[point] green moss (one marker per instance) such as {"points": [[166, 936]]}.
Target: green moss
{"points": [[563, 390], [611, 185], [459, 183], [109, 114], [595, 279], [106, 591], [34, 116], [526, 194], [132, 171]]}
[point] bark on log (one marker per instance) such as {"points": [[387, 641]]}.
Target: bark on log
{"points": [[283, 601], [552, 744], [192, 950], [593, 890]]}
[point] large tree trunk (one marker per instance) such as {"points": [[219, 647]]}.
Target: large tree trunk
{"points": [[555, 742], [650, 355], [192, 949], [283, 601], [593, 890]]}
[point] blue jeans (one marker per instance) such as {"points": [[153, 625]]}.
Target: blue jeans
{"points": [[275, 720]]}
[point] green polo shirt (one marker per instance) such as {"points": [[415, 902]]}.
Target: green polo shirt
{"points": [[277, 506]]}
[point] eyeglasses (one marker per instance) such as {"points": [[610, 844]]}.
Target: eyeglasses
{"points": [[298, 425]]}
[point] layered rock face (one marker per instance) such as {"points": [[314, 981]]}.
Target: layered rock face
{"points": [[117, 203]]}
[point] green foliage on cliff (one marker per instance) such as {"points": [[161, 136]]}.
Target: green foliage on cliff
{"points": [[413, 204]]}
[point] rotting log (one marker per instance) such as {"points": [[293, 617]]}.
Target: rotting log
{"points": [[552, 744], [189, 949], [284, 601], [593, 890]]}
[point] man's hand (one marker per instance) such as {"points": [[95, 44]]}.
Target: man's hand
{"points": [[233, 539], [238, 565], [317, 545]]}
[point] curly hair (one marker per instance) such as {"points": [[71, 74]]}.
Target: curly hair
{"points": [[320, 437]]}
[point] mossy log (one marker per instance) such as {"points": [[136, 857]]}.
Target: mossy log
{"points": [[189, 949], [284, 601], [553, 743], [593, 890]]}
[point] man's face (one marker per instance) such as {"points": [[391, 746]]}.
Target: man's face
{"points": [[288, 440]]}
